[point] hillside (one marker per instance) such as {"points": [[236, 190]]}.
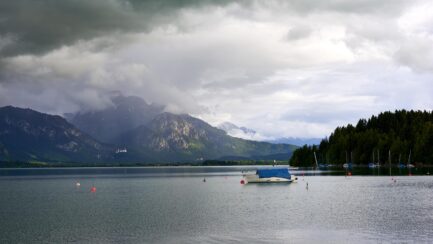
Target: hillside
{"points": [[29, 135], [401, 133], [182, 137]]}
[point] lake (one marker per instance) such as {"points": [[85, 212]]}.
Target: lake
{"points": [[174, 205]]}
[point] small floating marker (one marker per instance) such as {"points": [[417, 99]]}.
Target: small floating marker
{"points": [[77, 184], [306, 187], [242, 181], [349, 174], [93, 189], [204, 179], [395, 181]]}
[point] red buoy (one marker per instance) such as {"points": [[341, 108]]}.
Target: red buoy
{"points": [[93, 189], [242, 182], [349, 174]]}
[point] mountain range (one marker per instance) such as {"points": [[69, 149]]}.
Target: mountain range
{"points": [[296, 141], [236, 131], [130, 130], [247, 133]]}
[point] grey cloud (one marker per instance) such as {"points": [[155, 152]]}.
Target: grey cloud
{"points": [[359, 7], [40, 26], [416, 53], [298, 32]]}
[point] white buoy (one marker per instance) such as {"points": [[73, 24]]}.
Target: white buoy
{"points": [[78, 184]]}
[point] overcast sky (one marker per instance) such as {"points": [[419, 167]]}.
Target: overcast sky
{"points": [[284, 68]]}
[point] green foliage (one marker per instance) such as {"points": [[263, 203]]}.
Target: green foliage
{"points": [[399, 132]]}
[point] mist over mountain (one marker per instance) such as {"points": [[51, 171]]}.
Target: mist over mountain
{"points": [[236, 131], [247, 133], [125, 114]]}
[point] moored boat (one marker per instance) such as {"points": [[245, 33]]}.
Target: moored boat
{"points": [[271, 175]]}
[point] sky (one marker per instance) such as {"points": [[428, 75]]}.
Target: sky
{"points": [[292, 68]]}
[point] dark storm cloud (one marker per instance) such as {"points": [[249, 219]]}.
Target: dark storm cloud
{"points": [[35, 27]]}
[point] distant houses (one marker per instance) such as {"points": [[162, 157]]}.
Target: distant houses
{"points": [[121, 150]]}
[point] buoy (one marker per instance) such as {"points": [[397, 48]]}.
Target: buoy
{"points": [[78, 184], [204, 179], [306, 187], [242, 182], [349, 174], [93, 189]]}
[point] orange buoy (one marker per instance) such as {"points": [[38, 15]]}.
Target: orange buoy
{"points": [[242, 182], [93, 189], [349, 174]]}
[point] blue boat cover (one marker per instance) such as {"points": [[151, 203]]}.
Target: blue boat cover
{"points": [[274, 172]]}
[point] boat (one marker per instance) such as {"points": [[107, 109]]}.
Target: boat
{"points": [[271, 175], [373, 165], [409, 165], [348, 164]]}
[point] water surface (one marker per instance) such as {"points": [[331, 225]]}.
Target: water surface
{"points": [[174, 205]]}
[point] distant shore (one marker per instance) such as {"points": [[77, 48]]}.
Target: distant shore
{"points": [[38, 164]]}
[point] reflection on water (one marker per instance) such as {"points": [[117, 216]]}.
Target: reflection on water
{"points": [[174, 205]]}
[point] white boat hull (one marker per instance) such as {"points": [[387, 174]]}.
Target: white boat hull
{"points": [[256, 179]]}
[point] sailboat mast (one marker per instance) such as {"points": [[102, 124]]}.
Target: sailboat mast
{"points": [[315, 159], [408, 160], [389, 155], [378, 157]]}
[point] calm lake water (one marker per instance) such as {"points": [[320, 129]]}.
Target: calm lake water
{"points": [[174, 205]]}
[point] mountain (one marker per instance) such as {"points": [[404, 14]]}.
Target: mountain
{"points": [[185, 138], [239, 131], [29, 135], [400, 133], [246, 133], [125, 114], [232, 128], [297, 141]]}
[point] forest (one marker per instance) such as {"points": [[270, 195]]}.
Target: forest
{"points": [[390, 137]]}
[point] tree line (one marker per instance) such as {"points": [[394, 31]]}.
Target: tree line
{"points": [[405, 135]]}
